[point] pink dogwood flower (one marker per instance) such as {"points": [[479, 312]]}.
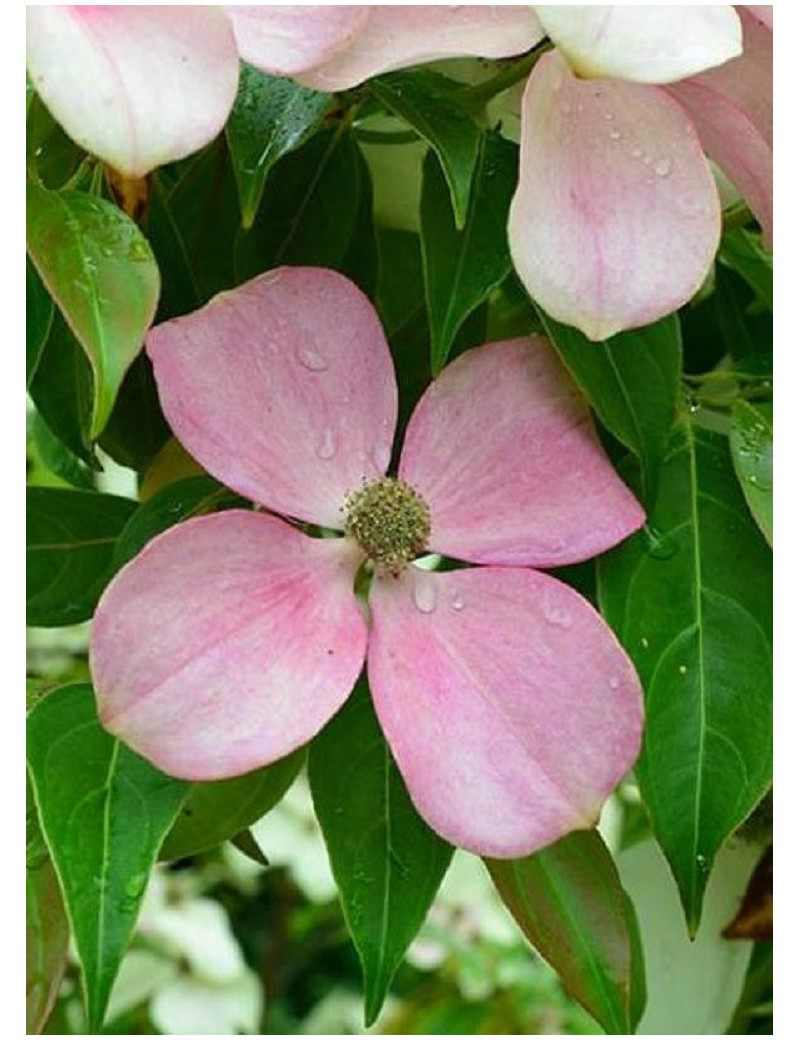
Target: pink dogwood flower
{"points": [[231, 639]]}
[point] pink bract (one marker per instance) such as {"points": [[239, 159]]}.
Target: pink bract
{"points": [[230, 640]]}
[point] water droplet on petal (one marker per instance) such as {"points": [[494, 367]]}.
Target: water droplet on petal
{"points": [[457, 603], [615, 135], [663, 167], [557, 614], [326, 448], [636, 153], [381, 456], [425, 595], [311, 359], [613, 682]]}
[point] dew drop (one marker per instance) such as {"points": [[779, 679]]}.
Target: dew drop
{"points": [[683, 669], [663, 167], [636, 153], [613, 682], [645, 642], [425, 595], [311, 359], [326, 448], [615, 135], [457, 603], [555, 614], [381, 456]]}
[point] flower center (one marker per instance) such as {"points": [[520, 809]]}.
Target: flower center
{"points": [[390, 521]]}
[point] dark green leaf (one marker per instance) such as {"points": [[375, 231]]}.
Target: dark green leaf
{"points": [[310, 208], [70, 545], [100, 270], [104, 812], [52, 157], [270, 117], [136, 430], [387, 862], [689, 598], [751, 446], [38, 319], [742, 250], [570, 903], [217, 811], [461, 268], [737, 336], [632, 381], [361, 261], [47, 931], [62, 391], [57, 457], [426, 100], [180, 292], [182, 500]]}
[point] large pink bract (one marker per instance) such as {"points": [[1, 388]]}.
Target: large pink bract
{"points": [[231, 639]]}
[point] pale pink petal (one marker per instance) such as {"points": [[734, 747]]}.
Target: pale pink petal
{"points": [[287, 39], [761, 12], [616, 218], [228, 642], [283, 389], [731, 108], [396, 36], [643, 44], [502, 448], [137, 86], [509, 706]]}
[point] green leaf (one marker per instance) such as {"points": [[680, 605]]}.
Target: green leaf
{"points": [[425, 100], [737, 336], [689, 598], [100, 270], [70, 547], [387, 862], [570, 903], [57, 457], [38, 319], [361, 261], [52, 157], [62, 391], [104, 812], [632, 381], [462, 267], [311, 205], [270, 117], [742, 250], [47, 928], [217, 811], [751, 447], [136, 430], [192, 496]]}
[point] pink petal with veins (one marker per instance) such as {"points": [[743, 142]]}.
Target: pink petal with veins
{"points": [[511, 710], [396, 36], [616, 218], [136, 86], [731, 108], [502, 448], [282, 388], [226, 643], [287, 39]]}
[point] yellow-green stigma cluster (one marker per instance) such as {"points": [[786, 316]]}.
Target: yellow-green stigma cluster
{"points": [[390, 521]]}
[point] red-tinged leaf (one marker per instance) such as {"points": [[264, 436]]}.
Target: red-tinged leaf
{"points": [[569, 902]]}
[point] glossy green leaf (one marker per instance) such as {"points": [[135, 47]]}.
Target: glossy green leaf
{"points": [[310, 208], [104, 812], [38, 319], [61, 389], [361, 261], [52, 157], [136, 430], [270, 117], [742, 250], [751, 447], [100, 270], [570, 903], [47, 928], [461, 268], [690, 599], [387, 862], [214, 812], [70, 546], [632, 381], [426, 101], [737, 336], [57, 457]]}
